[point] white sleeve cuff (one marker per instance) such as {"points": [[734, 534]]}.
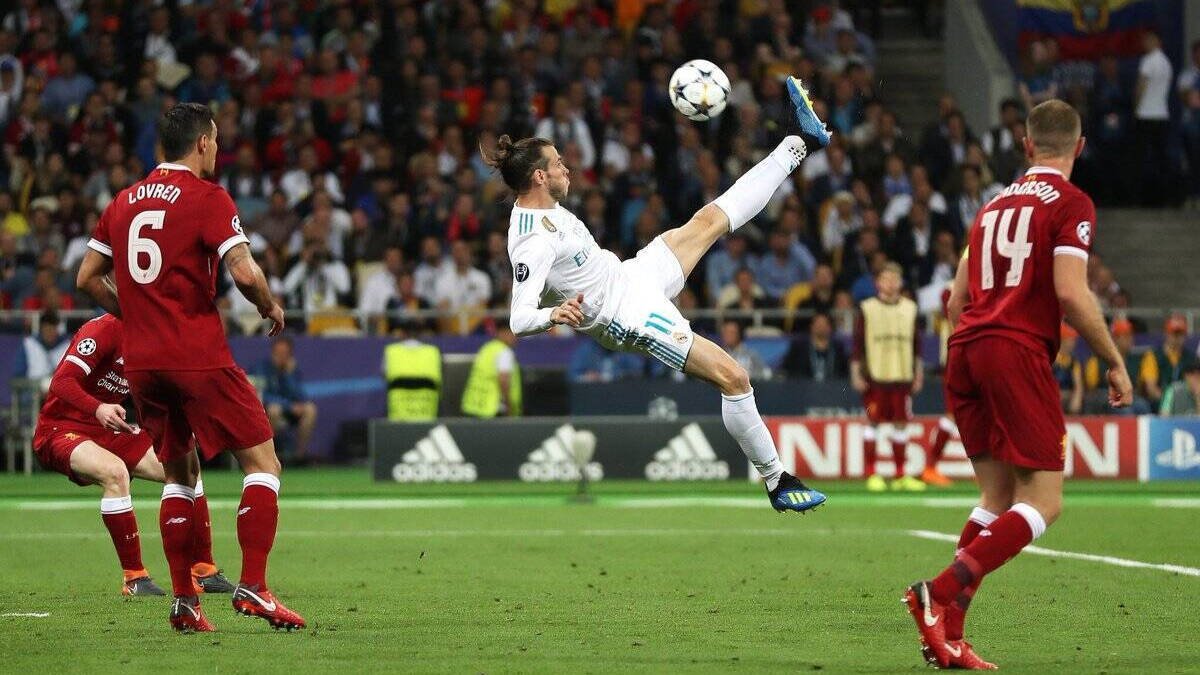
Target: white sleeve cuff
{"points": [[100, 247], [87, 370], [230, 243], [1071, 250]]}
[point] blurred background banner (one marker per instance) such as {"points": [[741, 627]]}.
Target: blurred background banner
{"points": [[539, 450], [1087, 29], [697, 448], [1171, 452]]}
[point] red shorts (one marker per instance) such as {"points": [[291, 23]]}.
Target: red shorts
{"points": [[1005, 401], [888, 402], [53, 446], [220, 407]]}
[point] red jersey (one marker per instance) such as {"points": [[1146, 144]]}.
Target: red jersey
{"points": [[90, 373], [1010, 259], [166, 236]]}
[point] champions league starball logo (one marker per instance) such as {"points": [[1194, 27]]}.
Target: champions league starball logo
{"points": [[86, 346]]}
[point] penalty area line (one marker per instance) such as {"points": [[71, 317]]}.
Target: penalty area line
{"points": [[32, 615], [1072, 555]]}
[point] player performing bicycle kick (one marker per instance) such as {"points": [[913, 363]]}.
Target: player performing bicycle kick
{"points": [[562, 276]]}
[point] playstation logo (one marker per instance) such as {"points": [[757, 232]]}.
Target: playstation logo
{"points": [[1182, 455]]}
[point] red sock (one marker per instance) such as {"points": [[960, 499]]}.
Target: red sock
{"points": [[258, 516], [869, 456], [176, 522], [202, 532], [995, 545], [899, 454], [956, 613], [117, 513], [940, 438]]}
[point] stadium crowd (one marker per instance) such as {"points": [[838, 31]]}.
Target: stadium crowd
{"points": [[349, 135]]}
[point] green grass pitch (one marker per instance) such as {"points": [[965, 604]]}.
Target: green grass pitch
{"points": [[500, 578]]}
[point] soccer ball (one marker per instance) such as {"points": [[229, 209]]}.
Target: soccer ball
{"points": [[699, 90]]}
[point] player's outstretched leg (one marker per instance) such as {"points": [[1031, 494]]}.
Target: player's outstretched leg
{"points": [[946, 431], [257, 520], [206, 577], [710, 363], [812, 129], [90, 462]]}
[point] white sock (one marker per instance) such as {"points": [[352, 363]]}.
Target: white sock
{"points": [[263, 479], [172, 490], [114, 505], [743, 422], [750, 194], [982, 516], [1037, 524]]}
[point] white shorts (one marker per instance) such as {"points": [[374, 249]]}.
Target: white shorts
{"points": [[647, 322]]}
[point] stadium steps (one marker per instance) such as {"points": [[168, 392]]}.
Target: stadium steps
{"points": [[911, 78], [1135, 244]]}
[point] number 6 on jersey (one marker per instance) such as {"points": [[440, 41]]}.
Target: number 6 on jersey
{"points": [[139, 245]]}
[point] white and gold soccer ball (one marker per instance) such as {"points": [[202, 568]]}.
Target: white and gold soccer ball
{"points": [[699, 90]]}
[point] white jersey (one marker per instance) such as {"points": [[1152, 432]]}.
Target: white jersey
{"points": [[555, 257], [626, 305]]}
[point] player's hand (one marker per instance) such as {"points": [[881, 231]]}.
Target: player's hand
{"points": [[112, 417], [275, 314], [1120, 388], [569, 313], [858, 383], [918, 381]]}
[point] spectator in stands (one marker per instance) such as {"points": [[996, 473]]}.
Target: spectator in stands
{"points": [[66, 90], [1095, 384], [404, 301], [842, 219], [731, 340], [462, 285], [818, 356], [566, 126], [1037, 82], [744, 294], [317, 280], [787, 263], [1000, 137], [432, 266], [380, 287], [821, 297], [592, 363], [1068, 372], [1152, 120], [722, 264], [288, 404], [1163, 366], [1182, 399], [41, 351]]}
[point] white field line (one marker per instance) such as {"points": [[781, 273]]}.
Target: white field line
{"points": [[672, 502], [33, 615], [503, 534], [396, 503], [1071, 555], [1177, 503], [309, 504]]}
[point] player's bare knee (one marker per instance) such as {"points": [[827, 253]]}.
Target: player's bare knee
{"points": [[113, 476], [733, 378]]}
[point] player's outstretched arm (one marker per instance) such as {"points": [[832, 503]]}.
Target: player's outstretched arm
{"points": [[93, 280], [252, 283], [532, 258], [958, 293], [1083, 313]]}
